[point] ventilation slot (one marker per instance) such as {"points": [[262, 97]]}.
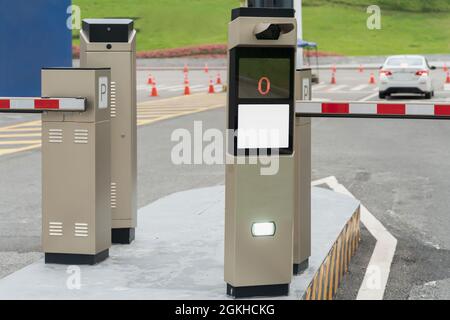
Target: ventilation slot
{"points": [[81, 136], [81, 230], [55, 229], [113, 195], [55, 136], [113, 100]]}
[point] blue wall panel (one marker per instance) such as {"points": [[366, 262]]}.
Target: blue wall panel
{"points": [[33, 35]]}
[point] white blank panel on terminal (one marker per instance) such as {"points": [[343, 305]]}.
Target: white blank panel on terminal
{"points": [[263, 126]]}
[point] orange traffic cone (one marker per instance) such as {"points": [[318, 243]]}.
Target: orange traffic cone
{"points": [[154, 89], [187, 89], [333, 68], [219, 79], [445, 67], [361, 69], [186, 68], [211, 87], [206, 68], [333, 78], [447, 80], [186, 79], [150, 80], [372, 79]]}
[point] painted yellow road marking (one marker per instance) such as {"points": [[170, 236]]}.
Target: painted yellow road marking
{"points": [[4, 152], [20, 135], [14, 142], [21, 130], [25, 133], [24, 124]]}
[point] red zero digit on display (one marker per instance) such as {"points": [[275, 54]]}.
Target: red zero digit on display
{"points": [[262, 81]]}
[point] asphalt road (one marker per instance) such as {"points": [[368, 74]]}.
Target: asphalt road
{"points": [[397, 168]]}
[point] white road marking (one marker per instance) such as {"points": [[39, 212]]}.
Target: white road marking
{"points": [[175, 88], [181, 88], [319, 86], [373, 95], [147, 87], [360, 87], [205, 89], [379, 267], [337, 88]]}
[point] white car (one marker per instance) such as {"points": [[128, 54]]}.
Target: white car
{"points": [[406, 74]]}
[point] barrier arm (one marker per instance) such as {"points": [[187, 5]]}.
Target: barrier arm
{"points": [[39, 105], [390, 110]]}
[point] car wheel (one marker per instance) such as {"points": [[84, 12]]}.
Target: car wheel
{"points": [[428, 95], [382, 95]]}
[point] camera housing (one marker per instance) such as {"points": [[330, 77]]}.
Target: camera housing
{"points": [[272, 31]]}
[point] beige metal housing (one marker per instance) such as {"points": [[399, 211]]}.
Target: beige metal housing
{"points": [[302, 218], [252, 197], [121, 58], [256, 265], [76, 222]]}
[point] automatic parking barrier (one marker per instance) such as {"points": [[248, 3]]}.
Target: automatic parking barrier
{"points": [[76, 153]]}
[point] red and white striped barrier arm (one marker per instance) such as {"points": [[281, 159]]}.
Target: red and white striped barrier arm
{"points": [[42, 104], [373, 110]]}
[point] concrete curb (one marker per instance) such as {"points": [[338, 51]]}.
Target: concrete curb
{"points": [[328, 277]]}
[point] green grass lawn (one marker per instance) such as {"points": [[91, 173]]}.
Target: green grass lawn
{"points": [[343, 30], [167, 23], [337, 28], [400, 5]]}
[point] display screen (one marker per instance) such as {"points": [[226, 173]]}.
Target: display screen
{"points": [[263, 126], [264, 78], [261, 99]]}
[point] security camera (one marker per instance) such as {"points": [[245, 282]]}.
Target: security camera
{"points": [[272, 31]]}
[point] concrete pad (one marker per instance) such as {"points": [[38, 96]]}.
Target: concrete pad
{"points": [[178, 254]]}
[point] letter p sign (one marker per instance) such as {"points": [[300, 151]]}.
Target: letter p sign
{"points": [[103, 93]]}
